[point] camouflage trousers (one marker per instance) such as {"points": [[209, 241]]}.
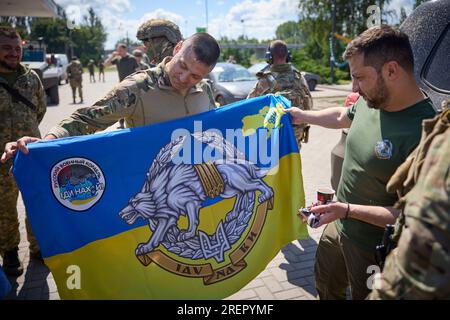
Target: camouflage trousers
{"points": [[74, 84], [9, 222]]}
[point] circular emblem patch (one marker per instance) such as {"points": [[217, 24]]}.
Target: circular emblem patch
{"points": [[77, 183], [383, 149]]}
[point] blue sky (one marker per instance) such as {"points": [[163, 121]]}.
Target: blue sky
{"points": [[231, 18]]}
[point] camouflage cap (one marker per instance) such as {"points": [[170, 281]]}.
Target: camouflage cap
{"points": [[159, 28]]}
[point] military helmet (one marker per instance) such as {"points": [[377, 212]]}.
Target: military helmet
{"points": [[159, 28]]}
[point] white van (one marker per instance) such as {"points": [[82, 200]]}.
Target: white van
{"points": [[61, 64]]}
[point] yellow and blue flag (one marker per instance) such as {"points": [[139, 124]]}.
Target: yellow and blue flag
{"points": [[193, 208], [5, 286]]}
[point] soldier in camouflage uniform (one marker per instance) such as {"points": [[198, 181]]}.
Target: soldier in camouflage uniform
{"points": [[419, 268], [159, 37], [75, 74], [173, 89], [282, 78], [16, 120]]}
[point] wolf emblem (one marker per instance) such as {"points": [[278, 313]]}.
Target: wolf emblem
{"points": [[170, 190]]}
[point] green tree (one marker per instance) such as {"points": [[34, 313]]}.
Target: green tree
{"points": [[419, 2], [403, 15], [290, 32], [242, 56], [316, 22], [129, 42], [54, 33], [89, 38], [21, 24]]}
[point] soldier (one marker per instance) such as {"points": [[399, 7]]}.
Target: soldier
{"points": [[282, 78], [22, 107], [101, 70], [419, 268], [138, 55], [173, 89], [159, 37], [91, 67], [75, 74]]}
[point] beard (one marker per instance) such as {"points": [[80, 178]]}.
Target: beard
{"points": [[380, 95], [8, 66]]}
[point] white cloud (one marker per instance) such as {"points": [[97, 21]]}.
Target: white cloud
{"points": [[257, 19], [111, 14], [396, 5]]}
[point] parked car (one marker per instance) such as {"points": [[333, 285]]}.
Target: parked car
{"points": [[231, 82], [429, 33], [311, 78], [61, 63]]}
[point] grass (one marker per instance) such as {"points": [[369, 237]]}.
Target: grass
{"points": [[109, 69]]}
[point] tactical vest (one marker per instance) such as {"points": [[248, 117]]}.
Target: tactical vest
{"points": [[75, 70], [406, 176], [289, 82]]}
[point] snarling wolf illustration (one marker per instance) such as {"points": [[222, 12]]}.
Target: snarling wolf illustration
{"points": [[173, 190]]}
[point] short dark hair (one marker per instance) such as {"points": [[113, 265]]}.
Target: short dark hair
{"points": [[278, 49], [205, 48], [381, 44], [122, 45], [9, 32]]}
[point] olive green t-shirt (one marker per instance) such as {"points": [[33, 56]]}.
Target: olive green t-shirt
{"points": [[377, 143]]}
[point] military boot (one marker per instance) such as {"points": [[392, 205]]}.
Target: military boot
{"points": [[11, 263]]}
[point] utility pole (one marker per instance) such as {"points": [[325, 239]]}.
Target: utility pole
{"points": [[333, 42]]}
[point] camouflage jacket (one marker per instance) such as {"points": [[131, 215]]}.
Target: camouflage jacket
{"points": [[75, 70], [143, 98], [419, 268], [285, 80], [17, 119]]}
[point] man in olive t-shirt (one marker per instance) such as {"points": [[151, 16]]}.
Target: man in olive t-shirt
{"points": [[385, 126], [125, 62]]}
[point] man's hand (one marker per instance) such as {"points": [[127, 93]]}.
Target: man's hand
{"points": [[296, 114], [12, 147], [330, 212]]}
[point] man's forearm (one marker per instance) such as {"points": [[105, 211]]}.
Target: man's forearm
{"points": [[108, 62], [333, 118], [49, 136], [379, 216]]}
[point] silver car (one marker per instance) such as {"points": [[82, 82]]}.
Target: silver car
{"points": [[231, 82]]}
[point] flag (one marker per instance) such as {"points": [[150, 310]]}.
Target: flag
{"points": [[193, 208], [5, 286]]}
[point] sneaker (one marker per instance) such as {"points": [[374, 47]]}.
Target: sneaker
{"points": [[11, 263]]}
